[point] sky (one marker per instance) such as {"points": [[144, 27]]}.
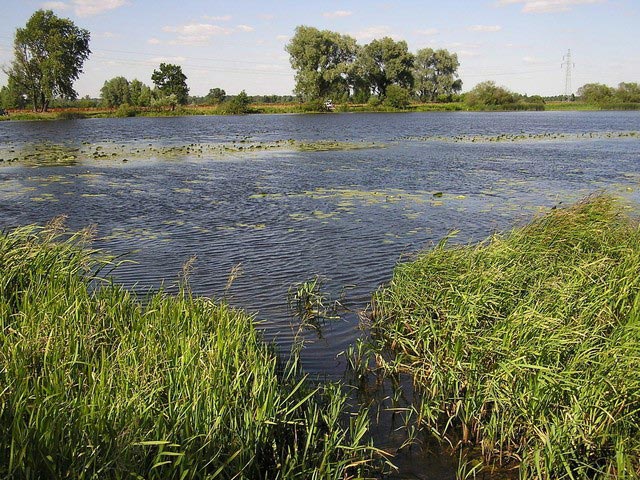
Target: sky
{"points": [[240, 45]]}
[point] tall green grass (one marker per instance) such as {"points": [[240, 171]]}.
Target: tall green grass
{"points": [[526, 347], [96, 383]]}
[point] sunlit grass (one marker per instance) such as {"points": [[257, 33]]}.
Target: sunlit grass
{"points": [[526, 346], [97, 383]]}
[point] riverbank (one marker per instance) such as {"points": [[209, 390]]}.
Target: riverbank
{"points": [[97, 382], [524, 349], [290, 108]]}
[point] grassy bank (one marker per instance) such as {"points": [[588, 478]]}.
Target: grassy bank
{"points": [[526, 347], [273, 108], [96, 383]]}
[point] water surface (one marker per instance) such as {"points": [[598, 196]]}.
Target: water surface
{"points": [[286, 216]]}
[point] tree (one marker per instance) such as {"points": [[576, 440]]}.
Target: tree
{"points": [[48, 57], [435, 74], [215, 96], [397, 97], [10, 96], [324, 61], [628, 92], [385, 62], [488, 93], [595, 93], [139, 93], [238, 104], [170, 80], [116, 92]]}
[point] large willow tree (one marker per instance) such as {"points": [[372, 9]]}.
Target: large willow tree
{"points": [[48, 56], [324, 62]]}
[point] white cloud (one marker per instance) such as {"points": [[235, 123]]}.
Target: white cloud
{"points": [[217, 18], [245, 28], [87, 8], [428, 31], [54, 5], [199, 34], [468, 46], [374, 32], [467, 54], [267, 16], [531, 60], [283, 37], [205, 29], [167, 59], [196, 33], [337, 14], [548, 6], [485, 28], [106, 35], [154, 41]]}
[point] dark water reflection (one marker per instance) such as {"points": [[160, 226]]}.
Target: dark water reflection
{"points": [[347, 216]]}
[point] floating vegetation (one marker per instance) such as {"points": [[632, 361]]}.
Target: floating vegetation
{"points": [[525, 137], [46, 153], [525, 348], [328, 145], [97, 383]]}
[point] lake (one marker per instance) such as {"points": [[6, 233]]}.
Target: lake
{"points": [[401, 183]]}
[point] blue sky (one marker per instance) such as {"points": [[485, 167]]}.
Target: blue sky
{"points": [[239, 45]]}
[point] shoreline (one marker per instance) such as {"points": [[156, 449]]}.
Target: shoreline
{"points": [[73, 113]]}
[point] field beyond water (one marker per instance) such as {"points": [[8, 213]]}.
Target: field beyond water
{"points": [[524, 349], [96, 383]]}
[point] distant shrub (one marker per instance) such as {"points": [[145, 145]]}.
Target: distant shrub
{"points": [[237, 105], [126, 110], [397, 97], [374, 102], [314, 106]]}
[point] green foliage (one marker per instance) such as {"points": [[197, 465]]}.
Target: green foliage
{"points": [[525, 346], [169, 80], [215, 96], [48, 56], [628, 92], [139, 93], [314, 106], [385, 62], [488, 93], [161, 101], [435, 74], [119, 91], [595, 93], [622, 98], [126, 110], [115, 92], [237, 105], [324, 62], [97, 383], [11, 97], [397, 97]]}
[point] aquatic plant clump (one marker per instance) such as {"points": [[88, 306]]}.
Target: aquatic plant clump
{"points": [[526, 347], [97, 383]]}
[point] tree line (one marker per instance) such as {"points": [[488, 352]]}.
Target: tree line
{"points": [[49, 53], [330, 65]]}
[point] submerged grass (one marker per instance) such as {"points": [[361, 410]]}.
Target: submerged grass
{"points": [[526, 347], [96, 383]]}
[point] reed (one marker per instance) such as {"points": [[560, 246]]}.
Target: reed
{"points": [[526, 347], [97, 383]]}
